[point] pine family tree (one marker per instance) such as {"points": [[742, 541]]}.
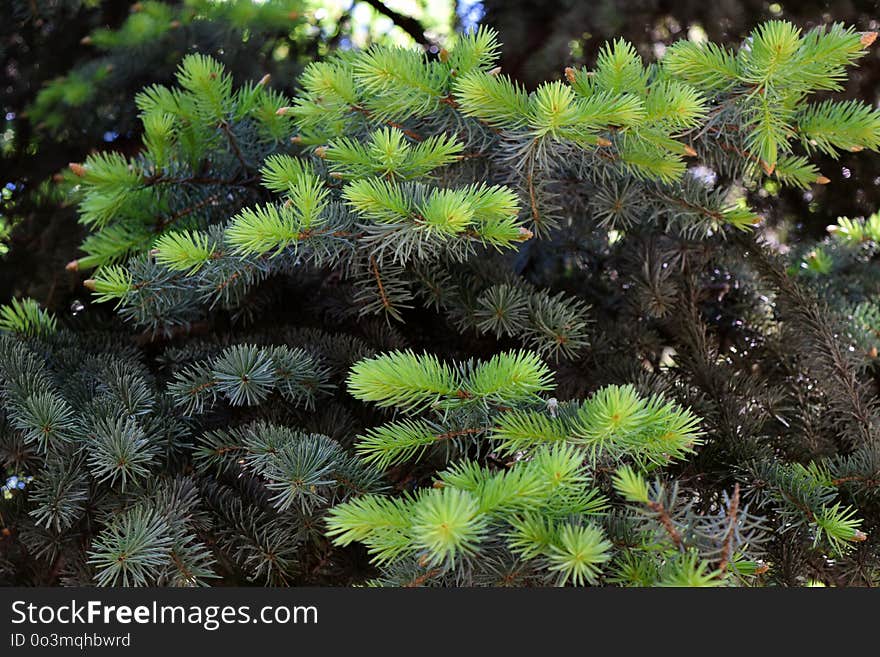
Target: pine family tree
{"points": [[418, 326], [71, 72]]}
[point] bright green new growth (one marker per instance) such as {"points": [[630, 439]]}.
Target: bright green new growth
{"points": [[539, 502], [402, 379], [183, 251], [413, 382], [485, 213], [258, 230], [614, 424], [856, 231], [542, 508], [391, 84], [388, 153], [129, 204], [26, 318], [769, 81]]}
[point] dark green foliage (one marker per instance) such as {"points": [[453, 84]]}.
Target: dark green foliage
{"points": [[163, 498]]}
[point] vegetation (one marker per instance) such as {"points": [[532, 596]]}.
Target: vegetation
{"points": [[416, 325]]}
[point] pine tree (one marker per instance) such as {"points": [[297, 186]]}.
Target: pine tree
{"points": [[71, 73], [569, 499], [171, 476], [622, 132], [415, 325]]}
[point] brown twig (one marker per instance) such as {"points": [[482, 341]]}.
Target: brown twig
{"points": [[868, 481], [187, 574], [198, 180], [455, 434], [713, 214], [533, 201], [375, 267], [409, 133], [666, 521], [233, 144], [732, 517], [421, 579], [162, 223]]}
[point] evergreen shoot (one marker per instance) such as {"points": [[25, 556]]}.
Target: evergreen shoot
{"points": [[411, 323]]}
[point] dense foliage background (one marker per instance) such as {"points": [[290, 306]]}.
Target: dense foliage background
{"points": [[222, 397]]}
